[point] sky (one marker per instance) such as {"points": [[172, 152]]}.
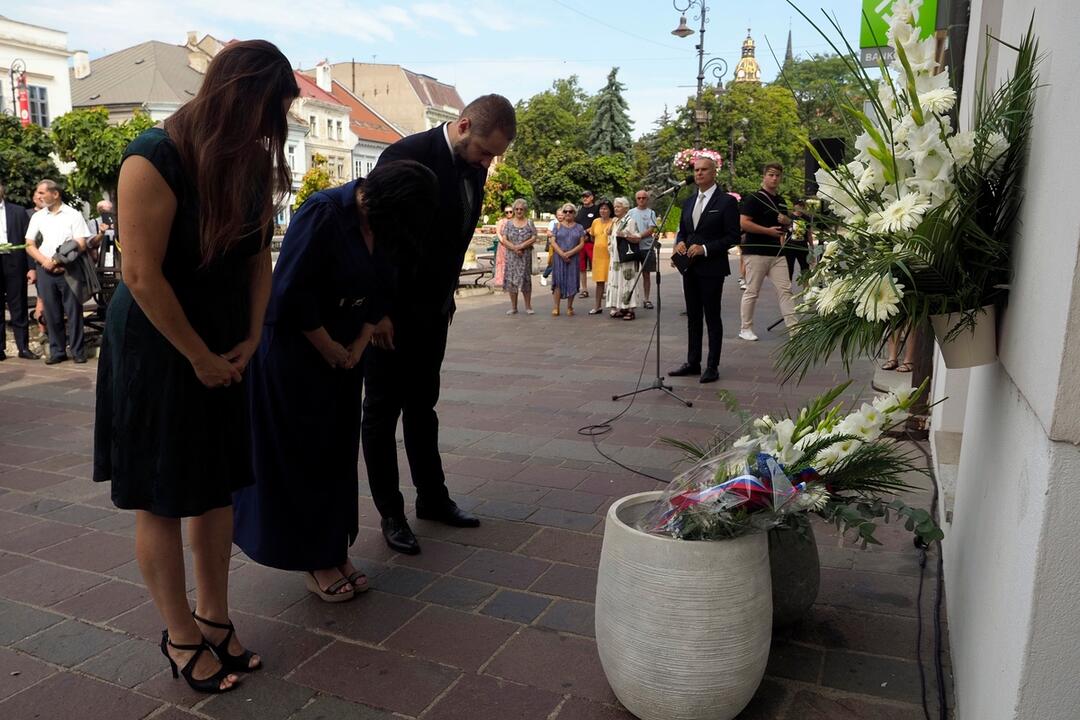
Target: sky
{"points": [[514, 47]]}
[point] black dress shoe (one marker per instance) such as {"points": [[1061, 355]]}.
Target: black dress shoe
{"points": [[79, 359], [27, 355], [449, 514], [53, 359], [3, 356], [710, 375], [399, 536], [685, 369]]}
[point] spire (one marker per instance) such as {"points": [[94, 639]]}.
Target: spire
{"points": [[789, 56]]}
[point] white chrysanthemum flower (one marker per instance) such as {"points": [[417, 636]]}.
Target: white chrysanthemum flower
{"points": [[878, 299], [962, 145], [902, 215], [832, 297], [939, 101], [996, 145]]}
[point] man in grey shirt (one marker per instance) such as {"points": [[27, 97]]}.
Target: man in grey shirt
{"points": [[645, 217]]}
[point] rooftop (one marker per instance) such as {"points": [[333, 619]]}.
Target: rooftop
{"points": [[150, 72]]}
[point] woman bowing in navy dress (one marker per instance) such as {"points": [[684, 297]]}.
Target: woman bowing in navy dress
{"points": [[333, 282]]}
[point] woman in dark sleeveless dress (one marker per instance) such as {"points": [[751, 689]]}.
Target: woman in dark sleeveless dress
{"points": [[196, 208]]}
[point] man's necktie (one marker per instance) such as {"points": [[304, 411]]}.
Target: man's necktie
{"points": [[698, 207]]}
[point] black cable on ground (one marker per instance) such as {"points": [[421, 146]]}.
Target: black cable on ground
{"points": [[603, 428], [939, 669]]}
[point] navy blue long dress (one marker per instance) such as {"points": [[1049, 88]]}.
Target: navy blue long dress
{"points": [[301, 513]]}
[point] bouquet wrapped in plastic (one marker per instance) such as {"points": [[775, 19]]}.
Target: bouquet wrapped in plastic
{"points": [[731, 494]]}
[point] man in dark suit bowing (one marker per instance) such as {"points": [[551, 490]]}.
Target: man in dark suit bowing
{"points": [[402, 372], [708, 228], [14, 275]]}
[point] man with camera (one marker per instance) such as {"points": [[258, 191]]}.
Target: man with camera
{"points": [[102, 233]]}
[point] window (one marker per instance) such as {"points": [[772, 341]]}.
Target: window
{"points": [[329, 129], [357, 169], [39, 106], [314, 126], [370, 166], [341, 170], [292, 157], [339, 130]]}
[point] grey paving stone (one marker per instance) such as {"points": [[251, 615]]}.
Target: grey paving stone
{"points": [[70, 643], [41, 506], [328, 707], [19, 621], [260, 697], [795, 662], [871, 675], [569, 616], [564, 519], [504, 510], [402, 580], [128, 664], [457, 593], [517, 606]]}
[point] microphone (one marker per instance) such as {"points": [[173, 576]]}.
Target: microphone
{"points": [[675, 187]]}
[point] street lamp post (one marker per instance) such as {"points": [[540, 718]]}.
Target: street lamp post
{"points": [[15, 75], [716, 64]]}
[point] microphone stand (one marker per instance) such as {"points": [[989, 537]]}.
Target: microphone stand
{"points": [[654, 252]]}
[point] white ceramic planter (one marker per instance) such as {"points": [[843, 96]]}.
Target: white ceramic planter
{"points": [[967, 349], [682, 627]]}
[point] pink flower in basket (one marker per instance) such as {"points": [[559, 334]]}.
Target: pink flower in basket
{"points": [[684, 159]]}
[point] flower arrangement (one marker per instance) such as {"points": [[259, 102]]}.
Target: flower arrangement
{"points": [[684, 159], [926, 211], [838, 465]]}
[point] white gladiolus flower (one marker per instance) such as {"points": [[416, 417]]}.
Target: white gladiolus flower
{"points": [[830, 249], [879, 299], [784, 430], [996, 145], [744, 442], [925, 83], [903, 394], [903, 215]]}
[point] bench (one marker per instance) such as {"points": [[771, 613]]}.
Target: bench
{"points": [[484, 272]]}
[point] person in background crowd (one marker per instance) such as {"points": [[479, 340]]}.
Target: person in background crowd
{"points": [[102, 228], [567, 242], [645, 217], [764, 219], [15, 274], [584, 217], [301, 514], [800, 241], [600, 231], [517, 237], [173, 421], [500, 251], [402, 370], [709, 227], [39, 304], [550, 254], [623, 293], [58, 223]]}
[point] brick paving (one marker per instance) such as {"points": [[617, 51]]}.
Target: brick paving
{"points": [[488, 623]]}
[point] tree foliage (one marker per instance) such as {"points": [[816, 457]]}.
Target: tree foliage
{"points": [[563, 175], [502, 188], [556, 119], [85, 137], [315, 179], [24, 159], [755, 125], [609, 133], [820, 85]]}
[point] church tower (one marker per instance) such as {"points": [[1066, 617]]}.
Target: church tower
{"points": [[748, 70]]}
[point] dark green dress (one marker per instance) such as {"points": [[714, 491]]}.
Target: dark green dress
{"points": [[169, 444]]}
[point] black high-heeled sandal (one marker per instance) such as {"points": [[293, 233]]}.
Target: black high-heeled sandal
{"points": [[212, 684], [232, 663]]}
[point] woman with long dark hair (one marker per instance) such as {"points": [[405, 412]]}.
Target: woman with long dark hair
{"points": [[196, 203], [330, 288]]}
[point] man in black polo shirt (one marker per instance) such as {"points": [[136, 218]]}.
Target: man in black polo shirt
{"points": [[585, 215], [764, 220]]}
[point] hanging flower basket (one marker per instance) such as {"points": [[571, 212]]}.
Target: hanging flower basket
{"points": [[963, 347]]}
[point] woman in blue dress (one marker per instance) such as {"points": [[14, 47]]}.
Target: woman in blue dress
{"points": [[568, 241], [329, 289]]}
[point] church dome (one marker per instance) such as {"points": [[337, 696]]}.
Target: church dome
{"points": [[748, 70]]}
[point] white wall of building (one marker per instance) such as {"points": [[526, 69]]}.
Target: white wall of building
{"points": [[46, 56], [1012, 553], [365, 155]]}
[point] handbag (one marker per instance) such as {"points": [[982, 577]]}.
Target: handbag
{"points": [[626, 250]]}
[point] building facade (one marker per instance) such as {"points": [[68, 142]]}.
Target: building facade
{"points": [[44, 55], [410, 101], [1007, 436], [329, 133], [373, 132]]}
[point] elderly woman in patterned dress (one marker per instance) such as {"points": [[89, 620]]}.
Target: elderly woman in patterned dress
{"points": [[518, 236], [623, 293]]}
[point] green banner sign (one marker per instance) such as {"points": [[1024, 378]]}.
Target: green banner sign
{"points": [[876, 14]]}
